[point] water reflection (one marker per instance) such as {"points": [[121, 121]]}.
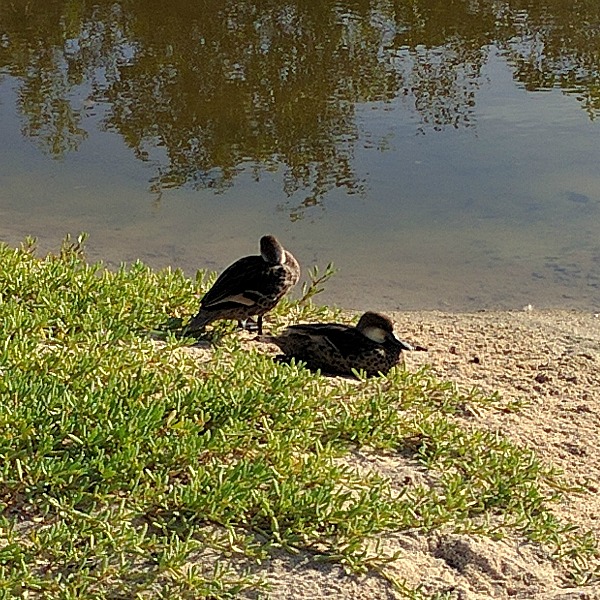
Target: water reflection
{"points": [[409, 143], [204, 89]]}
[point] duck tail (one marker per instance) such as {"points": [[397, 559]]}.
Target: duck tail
{"points": [[198, 322]]}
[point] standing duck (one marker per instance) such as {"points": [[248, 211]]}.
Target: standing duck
{"points": [[250, 287], [337, 349]]}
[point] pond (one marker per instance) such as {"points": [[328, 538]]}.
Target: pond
{"points": [[442, 154]]}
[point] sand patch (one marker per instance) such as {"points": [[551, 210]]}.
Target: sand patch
{"points": [[550, 360]]}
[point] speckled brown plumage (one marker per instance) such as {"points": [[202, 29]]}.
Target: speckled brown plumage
{"points": [[250, 287], [335, 348]]}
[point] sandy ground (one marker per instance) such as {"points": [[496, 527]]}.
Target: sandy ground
{"points": [[550, 359]]}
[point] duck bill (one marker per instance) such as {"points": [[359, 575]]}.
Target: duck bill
{"points": [[399, 343]]}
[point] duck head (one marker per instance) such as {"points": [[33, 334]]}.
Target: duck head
{"points": [[271, 250], [380, 329]]}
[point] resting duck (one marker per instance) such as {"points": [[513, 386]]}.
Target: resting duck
{"points": [[250, 287], [337, 349]]}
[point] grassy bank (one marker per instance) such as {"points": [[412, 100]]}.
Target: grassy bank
{"points": [[130, 467]]}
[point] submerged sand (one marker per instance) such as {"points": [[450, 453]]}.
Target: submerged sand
{"points": [[549, 359]]}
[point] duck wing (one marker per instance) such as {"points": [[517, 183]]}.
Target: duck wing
{"points": [[240, 284], [342, 339]]}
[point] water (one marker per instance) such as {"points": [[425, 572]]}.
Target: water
{"points": [[441, 155]]}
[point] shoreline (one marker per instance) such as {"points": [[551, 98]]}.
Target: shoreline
{"points": [[548, 360], [467, 290]]}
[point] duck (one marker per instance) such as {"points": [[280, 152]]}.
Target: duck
{"points": [[337, 349], [250, 287]]}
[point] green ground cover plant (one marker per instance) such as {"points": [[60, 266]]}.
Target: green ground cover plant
{"points": [[128, 465]]}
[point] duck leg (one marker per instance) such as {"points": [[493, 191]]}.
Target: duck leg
{"points": [[251, 325], [259, 323]]}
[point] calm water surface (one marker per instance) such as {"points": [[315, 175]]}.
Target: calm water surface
{"points": [[441, 154]]}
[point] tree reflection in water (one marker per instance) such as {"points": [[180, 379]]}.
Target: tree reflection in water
{"points": [[207, 89]]}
